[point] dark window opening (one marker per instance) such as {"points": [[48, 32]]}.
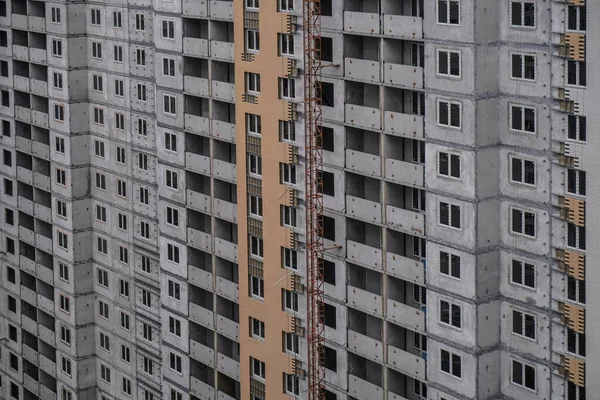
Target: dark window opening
{"points": [[327, 225], [327, 183]]}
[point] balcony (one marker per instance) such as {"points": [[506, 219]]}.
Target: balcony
{"points": [[200, 278], [405, 125], [44, 243], [365, 346], [223, 130], [201, 389], [198, 201], [404, 315], [228, 328], [225, 210], [403, 26], [221, 50], [224, 170], [45, 274], [30, 326], [38, 55], [366, 163], [21, 83], [403, 75], [195, 8], [41, 181], [403, 172], [19, 21], [25, 205], [223, 91], [47, 393], [363, 390], [224, 396], [364, 117], [228, 366], [23, 114], [201, 316], [45, 304], [27, 235], [195, 47], [405, 220], [197, 124], [25, 263], [363, 209], [202, 353], [364, 70], [43, 212], [221, 10], [405, 268], [363, 254], [199, 240], [30, 384], [195, 85], [37, 24], [361, 22], [406, 363], [366, 301], [46, 334], [226, 250], [47, 365], [28, 295], [39, 118], [227, 289], [30, 354], [41, 150], [25, 175], [20, 53], [197, 163]]}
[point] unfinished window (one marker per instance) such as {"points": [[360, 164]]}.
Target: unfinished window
{"points": [[327, 225], [326, 94], [327, 183]]}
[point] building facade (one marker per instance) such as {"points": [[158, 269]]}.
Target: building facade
{"points": [[153, 203]]}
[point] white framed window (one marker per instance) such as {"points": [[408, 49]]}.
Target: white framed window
{"points": [[104, 342], [575, 290], [118, 53], [290, 301], [142, 93], [291, 342], [448, 62], [287, 88], [97, 50], [523, 375], [125, 320], [125, 354], [99, 149], [172, 216], [147, 332], [98, 84], [289, 258], [96, 17], [251, 5], [140, 57], [119, 121], [55, 16], [258, 369], [286, 44], [252, 83], [576, 236], [144, 196], [142, 127], [176, 395], [289, 216], [448, 12], [65, 365], [288, 174], [146, 265], [522, 118], [123, 255], [254, 164], [523, 66], [105, 373], [522, 222], [57, 48], [451, 363], [522, 14], [65, 303], [257, 288], [126, 386], [292, 385], [63, 272], [61, 177], [576, 73], [145, 230], [286, 5], [449, 164], [168, 66], [522, 171], [256, 247], [170, 141], [102, 246], [168, 29], [117, 19], [450, 314], [98, 116], [450, 264], [123, 288], [174, 326], [449, 113], [143, 162], [175, 362], [103, 309], [523, 324], [146, 298], [172, 179], [522, 274], [59, 145], [257, 329], [119, 88], [148, 366], [102, 278], [450, 215], [173, 253], [575, 342], [65, 335], [252, 40], [169, 104], [61, 208], [420, 388], [576, 182], [253, 124], [121, 188], [576, 18], [59, 112], [140, 22], [287, 131], [57, 80], [174, 289], [577, 128], [255, 206], [63, 240]]}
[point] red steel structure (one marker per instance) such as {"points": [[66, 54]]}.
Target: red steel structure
{"points": [[311, 12]]}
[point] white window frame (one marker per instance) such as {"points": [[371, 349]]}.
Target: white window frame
{"points": [[449, 54], [287, 44], [580, 178], [452, 174], [169, 67], [523, 162], [452, 308], [169, 104], [448, 5], [524, 57], [252, 83], [287, 88], [524, 213], [95, 17], [522, 25], [451, 207], [578, 16], [168, 26], [173, 253], [171, 142], [580, 125], [451, 357], [523, 266], [525, 317], [524, 368], [257, 329], [254, 165], [256, 247], [253, 124], [117, 19], [524, 109], [252, 40], [257, 288], [450, 104], [255, 208], [172, 216], [454, 261], [97, 50], [172, 179]]}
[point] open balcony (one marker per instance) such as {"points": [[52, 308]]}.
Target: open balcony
{"points": [[221, 40], [362, 16], [199, 231], [403, 63], [220, 9], [197, 156], [223, 122], [363, 198], [363, 151], [223, 81], [405, 305], [201, 344], [226, 236], [362, 105], [37, 16], [361, 61], [201, 307], [20, 43], [200, 269], [403, 113], [402, 354], [228, 319], [405, 208], [195, 37], [365, 333], [199, 189], [363, 244], [227, 279], [364, 290], [195, 76], [224, 161], [364, 378], [403, 19], [405, 161], [202, 380], [196, 115], [195, 8], [228, 357]]}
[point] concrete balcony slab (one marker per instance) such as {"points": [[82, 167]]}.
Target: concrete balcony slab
{"points": [[365, 346], [197, 124], [402, 26], [403, 75], [405, 268], [406, 316], [405, 220], [363, 209], [407, 363], [365, 301], [360, 22], [195, 85], [223, 130], [195, 47], [363, 254], [365, 163], [226, 250], [364, 70], [199, 240], [199, 201], [197, 163], [363, 390], [364, 117], [404, 172]]}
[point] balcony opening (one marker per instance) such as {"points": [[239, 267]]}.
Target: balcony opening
{"points": [[24, 190], [363, 233], [364, 369], [363, 6], [37, 9], [363, 187], [202, 373], [224, 151], [403, 52], [197, 145], [407, 293], [22, 100], [40, 135], [223, 111], [20, 69], [46, 320], [227, 270], [403, 101], [20, 38], [405, 197], [44, 259], [39, 104], [19, 7], [195, 28], [402, 149], [361, 47], [405, 245], [365, 279], [201, 297], [28, 251], [413, 8], [198, 183], [37, 41], [228, 348], [362, 94], [225, 191], [44, 229], [199, 221], [228, 309], [228, 386], [201, 335], [45, 290], [197, 107], [223, 71], [363, 141], [221, 31], [226, 230], [196, 67], [41, 167], [199, 259]]}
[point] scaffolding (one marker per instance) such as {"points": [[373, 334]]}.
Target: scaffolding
{"points": [[311, 12]]}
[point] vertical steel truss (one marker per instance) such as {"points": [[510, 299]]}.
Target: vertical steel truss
{"points": [[311, 12]]}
